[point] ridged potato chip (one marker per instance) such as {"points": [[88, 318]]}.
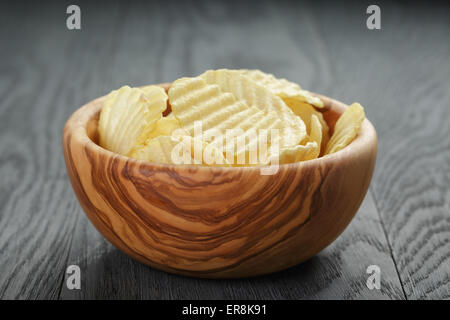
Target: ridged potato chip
{"points": [[316, 134], [222, 118], [306, 111], [282, 87], [298, 153], [128, 115], [316, 129], [256, 95], [300, 101], [179, 150], [163, 127], [346, 128], [192, 99], [309, 149]]}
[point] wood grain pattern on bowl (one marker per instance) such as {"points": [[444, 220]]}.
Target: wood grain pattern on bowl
{"points": [[217, 222]]}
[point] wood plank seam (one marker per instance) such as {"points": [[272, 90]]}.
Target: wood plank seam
{"points": [[388, 242]]}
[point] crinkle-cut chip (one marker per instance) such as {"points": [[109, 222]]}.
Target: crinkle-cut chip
{"points": [[256, 95], [316, 133], [295, 154], [128, 115], [180, 150], [346, 128], [316, 129], [282, 87], [305, 111], [192, 99], [152, 91], [163, 127], [307, 151], [245, 88], [278, 86]]}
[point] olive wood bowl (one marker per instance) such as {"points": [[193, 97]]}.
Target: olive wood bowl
{"points": [[217, 222]]}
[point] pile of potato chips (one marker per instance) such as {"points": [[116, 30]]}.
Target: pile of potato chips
{"points": [[223, 118]]}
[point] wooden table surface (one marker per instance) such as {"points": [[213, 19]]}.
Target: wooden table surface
{"points": [[400, 74]]}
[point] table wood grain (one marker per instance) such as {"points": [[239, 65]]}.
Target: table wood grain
{"points": [[400, 74]]}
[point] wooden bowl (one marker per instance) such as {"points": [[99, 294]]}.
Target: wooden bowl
{"points": [[217, 222]]}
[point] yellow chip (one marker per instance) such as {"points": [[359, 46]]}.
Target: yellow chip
{"points": [[346, 128], [267, 120], [152, 91], [128, 114], [179, 150], [192, 99], [309, 150], [256, 95], [298, 153], [306, 111], [163, 127], [316, 130], [282, 87], [316, 133]]}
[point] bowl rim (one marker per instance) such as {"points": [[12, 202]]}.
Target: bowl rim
{"points": [[76, 126]]}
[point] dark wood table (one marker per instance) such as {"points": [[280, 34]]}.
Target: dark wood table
{"points": [[400, 74]]}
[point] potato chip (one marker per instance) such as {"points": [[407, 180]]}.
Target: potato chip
{"points": [[192, 99], [256, 95], [309, 149], [301, 102], [282, 87], [298, 153], [179, 150], [152, 91], [316, 133], [222, 118], [128, 115], [163, 127], [306, 111], [346, 128], [316, 129]]}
